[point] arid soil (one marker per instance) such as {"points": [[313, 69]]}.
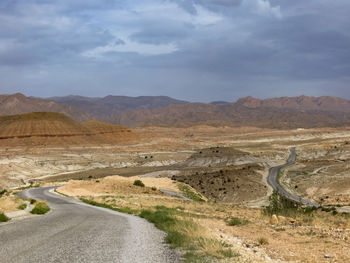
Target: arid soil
{"points": [[227, 165]]}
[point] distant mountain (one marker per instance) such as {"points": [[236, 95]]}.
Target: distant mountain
{"points": [[274, 113], [219, 102], [301, 103], [109, 107], [19, 104]]}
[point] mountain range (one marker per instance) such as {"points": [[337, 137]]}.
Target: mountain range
{"points": [[109, 107], [284, 112]]}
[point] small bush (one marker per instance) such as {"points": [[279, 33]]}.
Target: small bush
{"points": [[263, 241], [40, 208], [22, 206], [3, 192], [139, 183], [32, 201], [154, 188], [3, 218], [236, 222]]}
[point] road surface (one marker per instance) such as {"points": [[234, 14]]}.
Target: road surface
{"points": [[76, 232], [272, 180]]}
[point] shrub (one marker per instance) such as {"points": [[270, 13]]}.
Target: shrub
{"points": [[3, 218], [263, 241], [32, 201], [281, 205], [154, 188], [236, 222], [3, 192], [139, 183], [22, 206], [40, 208]]}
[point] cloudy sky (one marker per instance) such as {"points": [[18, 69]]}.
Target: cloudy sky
{"points": [[199, 50]]}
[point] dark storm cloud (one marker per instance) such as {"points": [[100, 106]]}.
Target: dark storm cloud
{"points": [[191, 49]]}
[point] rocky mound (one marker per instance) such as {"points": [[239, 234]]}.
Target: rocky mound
{"points": [[233, 184], [223, 174], [48, 128]]}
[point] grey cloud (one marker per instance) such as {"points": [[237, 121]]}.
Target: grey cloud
{"points": [[216, 5], [154, 32], [306, 50]]}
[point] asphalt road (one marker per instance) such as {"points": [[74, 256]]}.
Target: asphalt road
{"points": [[76, 232], [272, 180]]}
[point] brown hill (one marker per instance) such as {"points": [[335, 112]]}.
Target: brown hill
{"points": [[47, 128], [19, 104]]}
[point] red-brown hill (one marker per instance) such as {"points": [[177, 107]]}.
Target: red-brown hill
{"points": [[48, 128]]}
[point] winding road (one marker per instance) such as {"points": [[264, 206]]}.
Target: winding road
{"points": [[273, 182], [76, 232]]}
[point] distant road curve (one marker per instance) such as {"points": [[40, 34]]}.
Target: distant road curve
{"points": [[76, 232], [272, 181]]}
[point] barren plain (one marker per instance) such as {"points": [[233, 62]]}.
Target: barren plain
{"points": [[224, 171]]}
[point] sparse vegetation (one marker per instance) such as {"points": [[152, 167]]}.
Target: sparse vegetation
{"points": [[126, 210], [236, 222], [40, 208], [22, 206], [280, 205], [263, 241], [2, 192], [190, 193], [187, 234], [139, 183]]}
